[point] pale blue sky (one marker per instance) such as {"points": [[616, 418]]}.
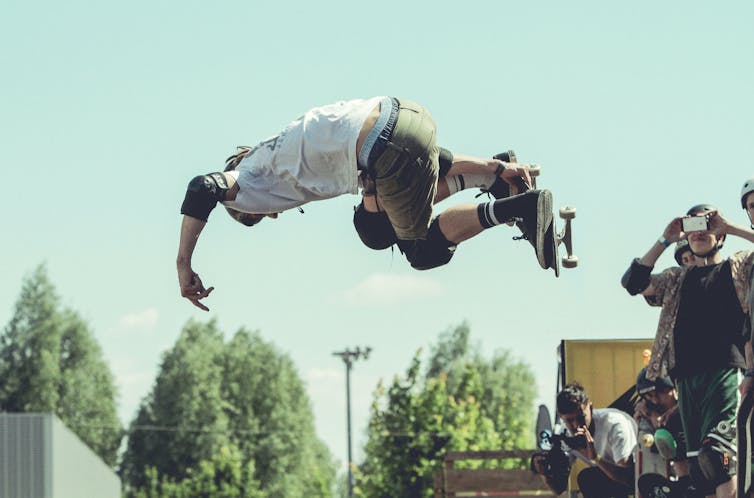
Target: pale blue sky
{"points": [[635, 112]]}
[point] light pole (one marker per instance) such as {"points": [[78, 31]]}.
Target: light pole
{"points": [[349, 356]]}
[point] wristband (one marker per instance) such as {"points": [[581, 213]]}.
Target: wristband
{"points": [[749, 373], [665, 242]]}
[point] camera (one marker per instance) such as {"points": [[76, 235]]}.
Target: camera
{"points": [[556, 461], [695, 223]]}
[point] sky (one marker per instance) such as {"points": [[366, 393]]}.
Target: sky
{"points": [[635, 111]]}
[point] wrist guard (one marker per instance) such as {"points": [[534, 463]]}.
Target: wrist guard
{"points": [[636, 278]]}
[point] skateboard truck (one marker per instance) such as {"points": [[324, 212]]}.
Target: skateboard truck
{"points": [[567, 213]]}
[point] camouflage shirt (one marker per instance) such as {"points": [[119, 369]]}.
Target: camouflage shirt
{"points": [[667, 286]]}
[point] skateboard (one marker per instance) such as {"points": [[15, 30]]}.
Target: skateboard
{"points": [[743, 426], [553, 238]]}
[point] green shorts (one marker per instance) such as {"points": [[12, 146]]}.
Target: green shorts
{"points": [[405, 173], [704, 400]]}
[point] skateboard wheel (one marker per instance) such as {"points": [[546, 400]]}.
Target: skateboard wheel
{"points": [[570, 261], [724, 427], [568, 212], [534, 170]]}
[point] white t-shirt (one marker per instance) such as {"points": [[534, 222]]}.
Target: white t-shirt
{"points": [[614, 434], [313, 158]]}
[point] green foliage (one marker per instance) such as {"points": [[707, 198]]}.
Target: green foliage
{"points": [[508, 385], [183, 421], [50, 362], [223, 476], [210, 395], [463, 403], [412, 428]]}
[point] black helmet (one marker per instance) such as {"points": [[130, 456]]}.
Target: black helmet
{"points": [[644, 385], [681, 247], [374, 229], [700, 208]]}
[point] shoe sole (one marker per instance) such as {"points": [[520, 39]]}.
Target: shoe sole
{"points": [[544, 220]]}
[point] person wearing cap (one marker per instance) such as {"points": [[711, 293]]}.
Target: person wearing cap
{"points": [[699, 342], [656, 415]]}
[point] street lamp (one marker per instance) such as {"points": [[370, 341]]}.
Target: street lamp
{"points": [[349, 356]]}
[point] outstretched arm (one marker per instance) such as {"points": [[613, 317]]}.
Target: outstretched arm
{"points": [[191, 285], [202, 195]]}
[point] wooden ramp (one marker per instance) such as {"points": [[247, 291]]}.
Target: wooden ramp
{"points": [[452, 482]]}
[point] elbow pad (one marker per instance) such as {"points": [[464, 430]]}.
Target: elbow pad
{"points": [[202, 195], [446, 161], [636, 278]]}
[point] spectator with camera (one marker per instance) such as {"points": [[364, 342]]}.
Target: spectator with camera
{"points": [[606, 437], [699, 342]]}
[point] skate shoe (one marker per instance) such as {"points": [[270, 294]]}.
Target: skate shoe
{"points": [[500, 189], [536, 224]]}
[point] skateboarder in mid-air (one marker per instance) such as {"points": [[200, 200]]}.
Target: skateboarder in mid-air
{"points": [[391, 142]]}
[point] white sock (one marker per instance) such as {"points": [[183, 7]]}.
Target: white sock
{"points": [[456, 183]]}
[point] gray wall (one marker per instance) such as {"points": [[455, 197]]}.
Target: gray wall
{"points": [[41, 458]]}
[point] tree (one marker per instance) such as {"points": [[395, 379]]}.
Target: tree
{"points": [[244, 394], [224, 476], [50, 362], [462, 403], [266, 399], [410, 431], [508, 385], [182, 421]]}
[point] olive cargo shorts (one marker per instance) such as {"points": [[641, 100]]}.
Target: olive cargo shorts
{"points": [[405, 173]]}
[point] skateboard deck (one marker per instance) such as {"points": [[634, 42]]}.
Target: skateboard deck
{"points": [[743, 426]]}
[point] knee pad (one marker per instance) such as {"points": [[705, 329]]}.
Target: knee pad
{"points": [[374, 229], [717, 456], [445, 161], [425, 254], [698, 480]]}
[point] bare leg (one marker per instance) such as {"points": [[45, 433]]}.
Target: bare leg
{"points": [[726, 490], [460, 223]]}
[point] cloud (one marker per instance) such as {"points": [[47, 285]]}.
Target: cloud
{"points": [[143, 321], [386, 290]]}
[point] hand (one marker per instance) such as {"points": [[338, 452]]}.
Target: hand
{"points": [[662, 420], [674, 231], [514, 171], [192, 287], [590, 452], [538, 464], [717, 223], [641, 410], [746, 387]]}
